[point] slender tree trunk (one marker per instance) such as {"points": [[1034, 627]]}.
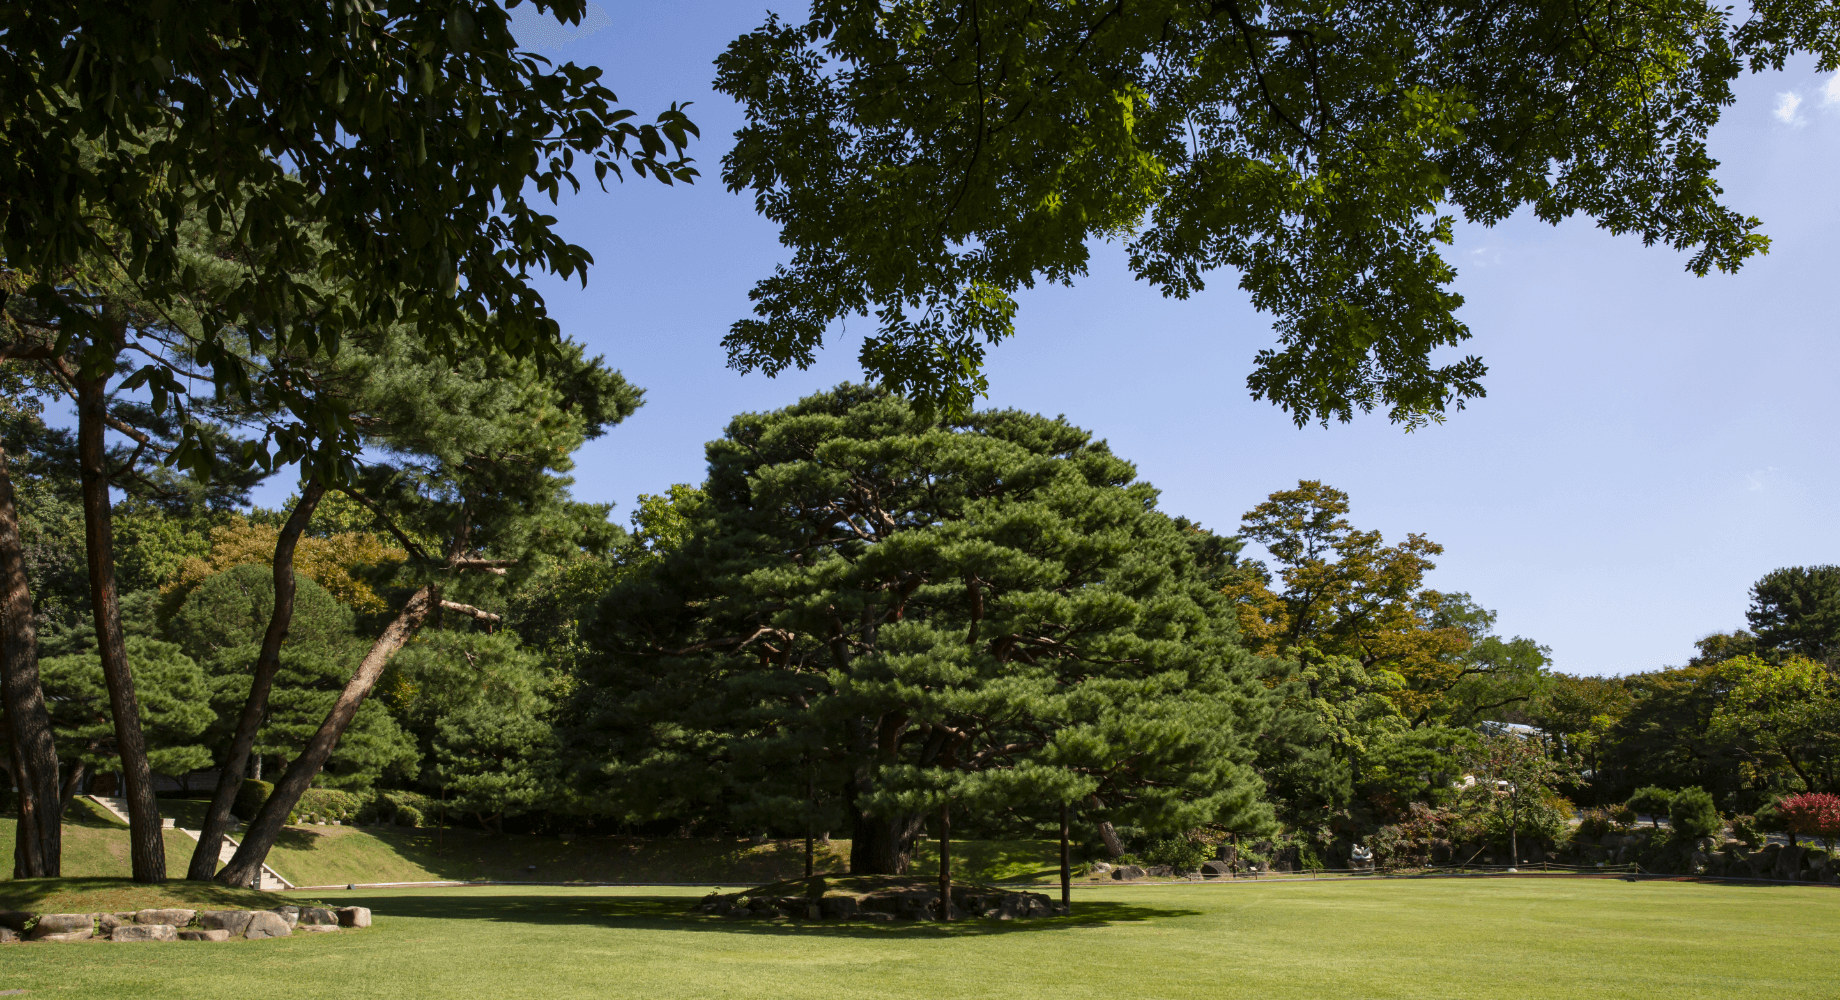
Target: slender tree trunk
{"points": [[38, 847], [147, 847], [246, 866], [1113, 846], [268, 662], [1066, 865], [945, 861], [811, 802], [71, 787]]}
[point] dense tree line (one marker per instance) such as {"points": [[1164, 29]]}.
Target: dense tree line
{"points": [[912, 603]]}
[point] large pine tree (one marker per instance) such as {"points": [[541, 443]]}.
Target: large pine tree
{"points": [[900, 613]]}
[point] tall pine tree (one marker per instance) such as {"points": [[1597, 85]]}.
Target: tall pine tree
{"points": [[908, 613]]}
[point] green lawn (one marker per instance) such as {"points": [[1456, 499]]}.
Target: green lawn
{"points": [[1462, 939]]}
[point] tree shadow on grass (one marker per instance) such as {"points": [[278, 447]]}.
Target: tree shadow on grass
{"points": [[672, 913]]}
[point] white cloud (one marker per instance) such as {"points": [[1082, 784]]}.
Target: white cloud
{"points": [[1830, 96], [1787, 106]]}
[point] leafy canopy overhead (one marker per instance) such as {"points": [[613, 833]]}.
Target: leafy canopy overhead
{"points": [[362, 163], [926, 160]]}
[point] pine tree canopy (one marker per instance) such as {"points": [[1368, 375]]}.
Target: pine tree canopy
{"points": [[908, 611]]}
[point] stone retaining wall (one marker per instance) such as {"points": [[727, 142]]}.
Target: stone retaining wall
{"points": [[180, 925]]}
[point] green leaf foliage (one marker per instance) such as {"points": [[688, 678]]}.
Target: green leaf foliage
{"points": [[363, 165], [925, 162]]}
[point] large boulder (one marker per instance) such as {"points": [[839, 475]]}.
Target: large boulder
{"points": [[1216, 869], [1788, 865], [145, 932], [1125, 873], [197, 934], [173, 918], [14, 920], [266, 924], [64, 927], [8, 935], [233, 921], [317, 916], [291, 914], [107, 922], [354, 916]]}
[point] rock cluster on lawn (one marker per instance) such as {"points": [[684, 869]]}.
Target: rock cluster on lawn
{"points": [[179, 925], [874, 898]]}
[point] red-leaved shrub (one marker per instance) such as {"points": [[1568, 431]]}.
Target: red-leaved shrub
{"points": [[1813, 814]]}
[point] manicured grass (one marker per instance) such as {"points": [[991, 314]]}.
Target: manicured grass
{"points": [[112, 895], [1463, 939], [96, 845]]}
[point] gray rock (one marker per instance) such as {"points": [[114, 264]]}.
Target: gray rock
{"points": [[234, 921], [107, 922], [315, 928], [1101, 867], [64, 927], [214, 934], [173, 918], [317, 915], [8, 935], [265, 924], [291, 914], [1216, 869], [14, 920], [145, 932], [1125, 873], [354, 916], [840, 907]]}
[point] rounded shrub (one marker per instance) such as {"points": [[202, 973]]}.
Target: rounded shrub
{"points": [[1653, 801], [1595, 822], [1745, 828], [250, 797], [1693, 814]]}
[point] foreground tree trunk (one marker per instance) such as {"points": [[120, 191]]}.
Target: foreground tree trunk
{"points": [[246, 867], [147, 847], [268, 662], [38, 847]]}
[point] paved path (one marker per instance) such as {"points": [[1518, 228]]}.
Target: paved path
{"points": [[271, 880]]}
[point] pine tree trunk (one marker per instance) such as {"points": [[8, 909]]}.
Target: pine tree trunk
{"points": [[268, 662], [880, 846], [1107, 833], [246, 866], [1066, 864], [38, 847], [147, 847], [945, 861]]}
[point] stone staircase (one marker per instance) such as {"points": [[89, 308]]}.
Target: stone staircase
{"points": [[271, 881]]}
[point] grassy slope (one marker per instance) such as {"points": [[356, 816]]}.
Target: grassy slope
{"points": [[1468, 939], [96, 844]]}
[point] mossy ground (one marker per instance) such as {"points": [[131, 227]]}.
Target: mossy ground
{"points": [[1378, 939]]}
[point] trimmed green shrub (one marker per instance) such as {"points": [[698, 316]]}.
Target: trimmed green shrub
{"points": [[1179, 853], [398, 807], [1654, 801], [324, 804], [1745, 828], [1693, 814], [250, 797], [1623, 816], [1595, 822]]}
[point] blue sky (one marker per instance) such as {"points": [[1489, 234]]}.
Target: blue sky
{"points": [[1651, 443]]}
